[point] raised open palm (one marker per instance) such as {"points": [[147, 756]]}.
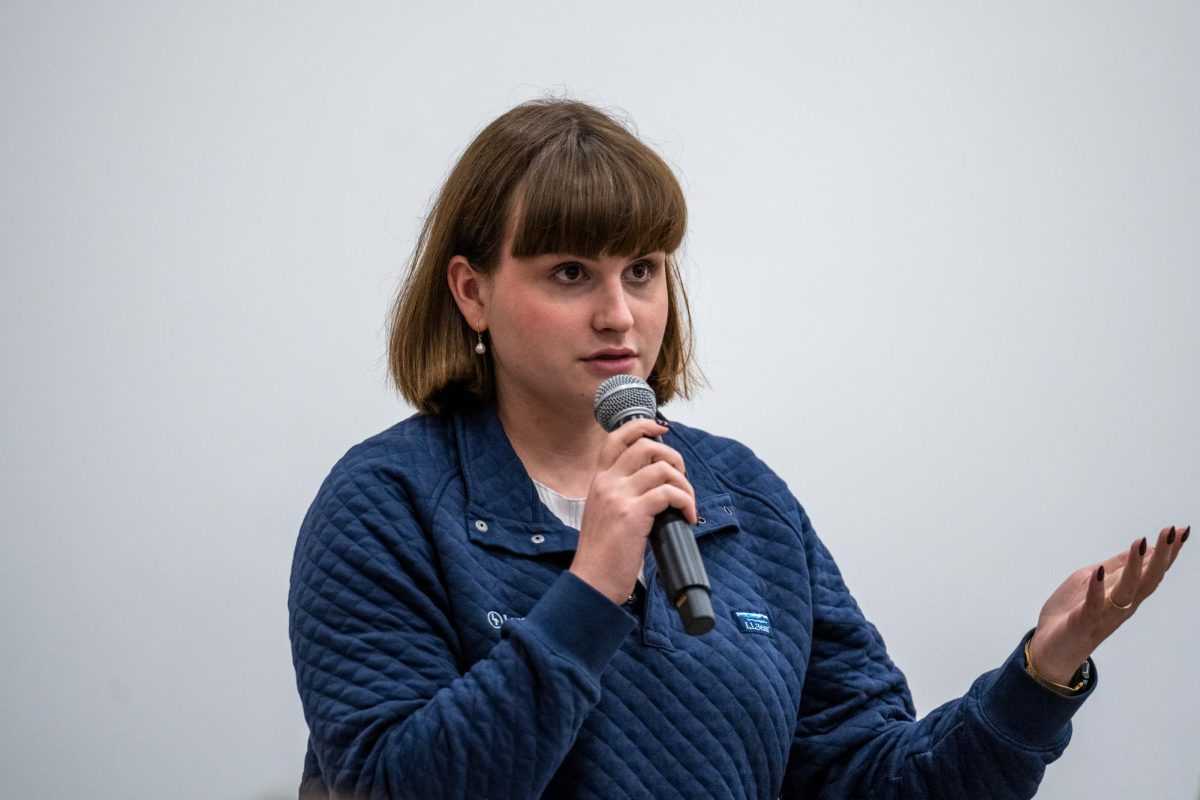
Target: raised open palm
{"points": [[1095, 601]]}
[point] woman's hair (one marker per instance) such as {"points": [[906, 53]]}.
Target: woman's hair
{"points": [[579, 182]]}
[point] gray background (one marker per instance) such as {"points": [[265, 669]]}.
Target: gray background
{"points": [[943, 259]]}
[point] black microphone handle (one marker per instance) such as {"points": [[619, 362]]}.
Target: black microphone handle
{"points": [[682, 571], [680, 566]]}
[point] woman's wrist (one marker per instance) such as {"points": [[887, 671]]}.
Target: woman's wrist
{"points": [[608, 588], [1056, 680]]}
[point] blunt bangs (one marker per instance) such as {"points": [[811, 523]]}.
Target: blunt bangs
{"points": [[592, 196]]}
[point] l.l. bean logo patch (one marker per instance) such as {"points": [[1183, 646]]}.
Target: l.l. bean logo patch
{"points": [[752, 622]]}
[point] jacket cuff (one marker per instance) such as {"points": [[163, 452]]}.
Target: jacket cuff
{"points": [[580, 622], [1025, 710]]}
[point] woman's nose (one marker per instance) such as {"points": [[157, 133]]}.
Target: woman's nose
{"points": [[612, 309]]}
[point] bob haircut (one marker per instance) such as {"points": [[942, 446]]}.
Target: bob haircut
{"points": [[578, 182]]}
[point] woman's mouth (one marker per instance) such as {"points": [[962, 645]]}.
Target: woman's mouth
{"points": [[612, 362]]}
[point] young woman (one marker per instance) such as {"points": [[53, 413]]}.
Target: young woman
{"points": [[474, 611]]}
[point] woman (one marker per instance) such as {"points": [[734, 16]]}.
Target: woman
{"points": [[474, 612]]}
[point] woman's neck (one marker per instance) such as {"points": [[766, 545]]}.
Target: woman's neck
{"points": [[558, 450]]}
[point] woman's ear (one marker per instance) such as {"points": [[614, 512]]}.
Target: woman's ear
{"points": [[470, 291]]}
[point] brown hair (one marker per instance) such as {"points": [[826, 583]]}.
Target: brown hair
{"points": [[581, 183]]}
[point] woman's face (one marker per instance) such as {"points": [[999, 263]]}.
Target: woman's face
{"points": [[559, 325]]}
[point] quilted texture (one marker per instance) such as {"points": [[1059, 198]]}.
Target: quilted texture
{"points": [[443, 651]]}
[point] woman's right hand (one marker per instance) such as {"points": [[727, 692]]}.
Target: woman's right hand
{"points": [[636, 478]]}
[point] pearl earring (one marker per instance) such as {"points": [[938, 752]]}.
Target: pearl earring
{"points": [[480, 347]]}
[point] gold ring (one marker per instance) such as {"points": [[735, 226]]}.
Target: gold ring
{"points": [[1125, 607]]}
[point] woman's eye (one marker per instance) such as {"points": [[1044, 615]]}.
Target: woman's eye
{"points": [[568, 273], [641, 272]]}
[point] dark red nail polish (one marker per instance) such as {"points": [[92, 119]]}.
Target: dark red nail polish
{"points": [[1171, 536], [1186, 532], [1142, 547], [1100, 573]]}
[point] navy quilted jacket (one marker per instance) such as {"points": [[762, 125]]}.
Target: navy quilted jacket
{"points": [[442, 650]]}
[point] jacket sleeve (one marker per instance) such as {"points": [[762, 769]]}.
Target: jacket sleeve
{"points": [[856, 736], [391, 712]]}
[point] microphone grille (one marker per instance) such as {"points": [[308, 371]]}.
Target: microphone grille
{"points": [[621, 397]]}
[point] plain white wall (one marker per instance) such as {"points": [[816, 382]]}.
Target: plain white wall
{"points": [[944, 265]]}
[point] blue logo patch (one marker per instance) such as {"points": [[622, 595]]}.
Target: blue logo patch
{"points": [[750, 622]]}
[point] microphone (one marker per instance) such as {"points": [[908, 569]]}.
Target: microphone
{"points": [[620, 399]]}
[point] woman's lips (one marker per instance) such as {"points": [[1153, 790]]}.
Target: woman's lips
{"points": [[612, 364]]}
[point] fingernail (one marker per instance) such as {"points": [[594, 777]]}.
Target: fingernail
{"points": [[1186, 531], [1142, 547], [1171, 536], [1100, 573]]}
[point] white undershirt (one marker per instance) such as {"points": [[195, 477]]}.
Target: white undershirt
{"points": [[567, 509]]}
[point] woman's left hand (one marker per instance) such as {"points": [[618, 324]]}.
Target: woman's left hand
{"points": [[1097, 600]]}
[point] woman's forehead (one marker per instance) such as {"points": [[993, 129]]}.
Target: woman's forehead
{"points": [[568, 255]]}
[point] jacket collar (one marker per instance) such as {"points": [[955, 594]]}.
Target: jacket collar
{"points": [[502, 500], [496, 479]]}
